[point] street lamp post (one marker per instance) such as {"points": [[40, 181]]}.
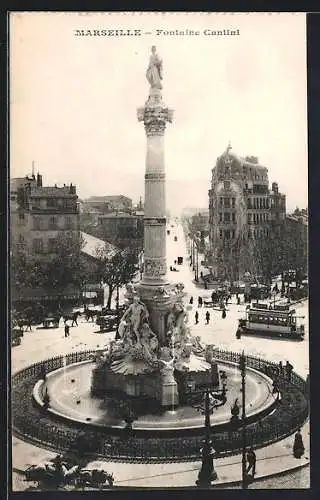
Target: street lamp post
{"points": [[242, 364], [117, 309], [207, 472], [197, 264], [210, 399], [193, 254]]}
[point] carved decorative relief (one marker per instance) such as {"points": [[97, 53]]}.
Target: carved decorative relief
{"points": [[155, 267], [155, 176], [154, 221]]}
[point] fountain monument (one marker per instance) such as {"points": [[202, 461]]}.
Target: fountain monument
{"points": [[156, 355]]}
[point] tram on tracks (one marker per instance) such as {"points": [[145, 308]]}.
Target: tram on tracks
{"points": [[272, 320]]}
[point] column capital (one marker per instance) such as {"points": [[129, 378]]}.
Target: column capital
{"points": [[155, 119]]}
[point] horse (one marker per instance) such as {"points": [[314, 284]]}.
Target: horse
{"points": [[71, 317], [90, 314], [48, 472], [43, 473], [95, 478]]}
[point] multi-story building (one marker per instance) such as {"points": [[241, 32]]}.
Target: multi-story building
{"points": [[108, 204], [241, 208], [122, 229], [40, 214]]}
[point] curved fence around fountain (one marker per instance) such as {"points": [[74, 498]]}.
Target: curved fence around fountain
{"points": [[32, 424]]}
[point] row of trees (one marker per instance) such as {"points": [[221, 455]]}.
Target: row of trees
{"points": [[284, 248], [69, 267]]}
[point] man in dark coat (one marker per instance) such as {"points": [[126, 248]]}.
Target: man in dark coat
{"points": [[196, 317], [66, 330], [207, 317], [298, 446], [251, 458]]}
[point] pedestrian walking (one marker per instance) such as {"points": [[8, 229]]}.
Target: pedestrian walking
{"points": [[66, 330], [28, 326], [196, 317], [199, 301], [191, 300], [224, 313], [207, 317], [251, 459], [298, 446], [238, 300]]}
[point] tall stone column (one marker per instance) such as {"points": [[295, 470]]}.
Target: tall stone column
{"points": [[155, 114]]}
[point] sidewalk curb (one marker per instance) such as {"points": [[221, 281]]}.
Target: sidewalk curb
{"points": [[221, 485]]}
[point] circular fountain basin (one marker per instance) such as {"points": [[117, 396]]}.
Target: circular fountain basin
{"points": [[69, 389]]}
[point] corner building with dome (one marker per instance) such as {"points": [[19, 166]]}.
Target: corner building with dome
{"points": [[242, 209]]}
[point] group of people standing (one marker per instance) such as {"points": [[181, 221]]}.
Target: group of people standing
{"points": [[207, 315]]}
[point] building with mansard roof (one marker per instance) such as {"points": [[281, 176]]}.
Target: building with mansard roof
{"points": [[41, 214], [241, 209]]}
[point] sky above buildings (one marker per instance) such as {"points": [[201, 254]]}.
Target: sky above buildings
{"points": [[74, 100]]}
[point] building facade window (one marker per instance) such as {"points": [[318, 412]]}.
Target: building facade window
{"points": [[227, 234], [227, 202], [52, 202], [52, 245], [37, 223], [233, 202], [220, 234], [227, 217], [37, 245], [53, 223], [220, 216], [233, 217], [69, 223]]}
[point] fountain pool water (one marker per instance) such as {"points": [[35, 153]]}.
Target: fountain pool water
{"points": [[150, 416]]}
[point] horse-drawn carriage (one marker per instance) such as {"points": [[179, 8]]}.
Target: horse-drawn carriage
{"points": [[58, 473], [16, 335], [107, 323]]}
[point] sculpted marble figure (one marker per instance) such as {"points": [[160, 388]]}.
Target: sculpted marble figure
{"points": [[154, 71], [133, 318], [149, 342], [167, 366]]}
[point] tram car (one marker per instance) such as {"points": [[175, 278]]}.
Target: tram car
{"points": [[271, 320]]}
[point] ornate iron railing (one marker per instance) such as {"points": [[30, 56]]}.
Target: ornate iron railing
{"points": [[33, 424]]}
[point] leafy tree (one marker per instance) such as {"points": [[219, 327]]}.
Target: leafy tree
{"points": [[116, 269], [26, 271], [66, 266], [282, 249]]}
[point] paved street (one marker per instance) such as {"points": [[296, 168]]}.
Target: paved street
{"points": [[40, 344]]}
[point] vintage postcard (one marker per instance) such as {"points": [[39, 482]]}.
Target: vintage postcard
{"points": [[159, 230]]}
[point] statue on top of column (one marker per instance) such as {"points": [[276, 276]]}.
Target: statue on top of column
{"points": [[154, 71]]}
